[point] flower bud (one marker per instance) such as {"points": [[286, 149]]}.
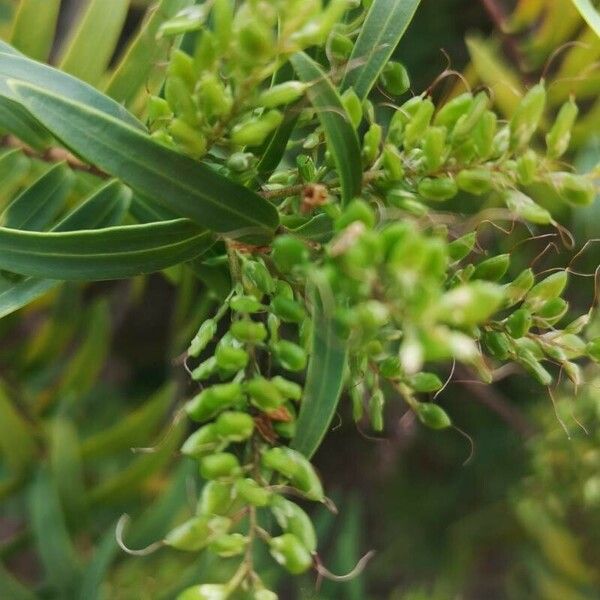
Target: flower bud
{"points": [[470, 303], [559, 136], [205, 334], [392, 163], [222, 19], [205, 370], [219, 465], [255, 130], [216, 498], [525, 208], [292, 519], [289, 253], [437, 189], [210, 401], [193, 142], [425, 382], [516, 290], [341, 46], [196, 533], [468, 121], [180, 100], [434, 147], [306, 168], [353, 106], [371, 143], [527, 167], [533, 366], [519, 323], [159, 110], [280, 94], [288, 389], [433, 416], [181, 65], [288, 310], [527, 116], [493, 268], [289, 355], [231, 544], [418, 123], [234, 426], [449, 114], [203, 442], [474, 181], [253, 493], [357, 210], [394, 78], [577, 190], [483, 134], [290, 553], [255, 40], [213, 99], [245, 304], [188, 19], [230, 358], [264, 394], [462, 246], [205, 54], [497, 344], [550, 287], [256, 275], [248, 331], [551, 312]]}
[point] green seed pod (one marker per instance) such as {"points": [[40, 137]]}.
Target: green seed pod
{"points": [[296, 469], [468, 121], [577, 190], [501, 142], [196, 533], [529, 345], [205, 53], [211, 401], [527, 116], [248, 331], [471, 303], [306, 168], [452, 111], [483, 134], [231, 359], [255, 40], [181, 65], [497, 344], [254, 131], [438, 189], [531, 364], [256, 275], [357, 210], [203, 442], [462, 246], [253, 493], [376, 404], [519, 323], [213, 98], [433, 416], [372, 143], [285, 429], [353, 106], [559, 136], [394, 78], [219, 465], [205, 591], [283, 93], [288, 389], [525, 208], [418, 123], [217, 498], [289, 355], [234, 426], [405, 200], [264, 394], [552, 311], [205, 370], [550, 287], [401, 117], [240, 162], [578, 325], [434, 147], [516, 290], [492, 269], [245, 304], [289, 253], [475, 181], [290, 553], [292, 519], [180, 100], [191, 139], [392, 163], [425, 382], [222, 19], [572, 345], [159, 110], [288, 310], [205, 334], [593, 349], [527, 167], [573, 372], [341, 46], [228, 545]]}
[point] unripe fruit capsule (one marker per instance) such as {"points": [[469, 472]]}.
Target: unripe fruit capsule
{"points": [[197, 533], [245, 304], [217, 498], [468, 121], [550, 287], [205, 334], [205, 591], [437, 189], [202, 442], [248, 331], [449, 114], [493, 268], [353, 106], [524, 207], [497, 344], [433, 416], [229, 545], [474, 181], [292, 519], [434, 147], [577, 190], [527, 166], [255, 131], [209, 402], [253, 493], [283, 93], [425, 382], [255, 274], [418, 123], [462, 246], [357, 210], [219, 465], [264, 394], [376, 403], [290, 553], [287, 388], [519, 323], [559, 136], [289, 355], [288, 310], [527, 116], [234, 426], [289, 253], [395, 79], [230, 358], [392, 163]]}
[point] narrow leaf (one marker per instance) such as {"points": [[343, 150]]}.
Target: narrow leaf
{"points": [[11, 588], [589, 13], [89, 50], [16, 120], [191, 189], [34, 27], [20, 68], [324, 383], [386, 22], [342, 140], [144, 53]]}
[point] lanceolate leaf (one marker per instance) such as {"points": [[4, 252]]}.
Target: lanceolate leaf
{"points": [[589, 13], [37, 207], [189, 188], [93, 42], [144, 53], [34, 27], [324, 383], [16, 120], [341, 137], [111, 253], [384, 26], [19, 68]]}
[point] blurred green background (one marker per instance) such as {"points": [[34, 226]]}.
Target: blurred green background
{"points": [[512, 512]]}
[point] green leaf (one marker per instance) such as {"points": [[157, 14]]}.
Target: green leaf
{"points": [[94, 575], [104, 208], [14, 167], [342, 140], [34, 27], [38, 205], [386, 22], [11, 588], [88, 51], [16, 120], [189, 188], [110, 253], [144, 53], [20, 68], [49, 529], [324, 382], [133, 429], [589, 13]]}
